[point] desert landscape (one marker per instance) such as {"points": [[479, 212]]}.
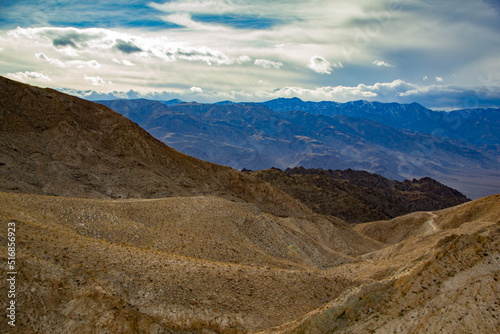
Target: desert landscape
{"points": [[117, 233]]}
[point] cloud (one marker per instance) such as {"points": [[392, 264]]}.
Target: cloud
{"points": [[25, 76], [126, 47], [265, 63], [123, 61], [445, 97], [320, 65], [199, 6], [82, 64], [381, 63], [52, 61], [237, 60], [439, 79], [96, 81], [196, 89], [70, 37], [243, 59], [185, 20], [203, 54]]}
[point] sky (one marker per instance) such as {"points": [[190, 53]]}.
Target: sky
{"points": [[444, 54]]}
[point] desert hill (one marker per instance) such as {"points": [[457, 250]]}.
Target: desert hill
{"points": [[129, 266], [181, 264], [359, 196], [418, 223], [55, 144], [441, 279]]}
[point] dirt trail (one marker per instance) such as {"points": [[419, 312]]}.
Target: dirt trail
{"points": [[430, 221]]}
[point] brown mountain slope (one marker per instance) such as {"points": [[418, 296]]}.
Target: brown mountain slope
{"points": [[183, 264], [358, 196], [56, 144], [439, 281]]}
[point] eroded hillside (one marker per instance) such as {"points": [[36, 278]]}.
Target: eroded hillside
{"points": [[442, 279], [175, 264]]}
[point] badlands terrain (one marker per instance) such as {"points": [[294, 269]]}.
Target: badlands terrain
{"points": [[118, 233]]}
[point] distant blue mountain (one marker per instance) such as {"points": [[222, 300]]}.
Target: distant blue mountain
{"points": [[172, 102], [479, 127], [253, 136]]}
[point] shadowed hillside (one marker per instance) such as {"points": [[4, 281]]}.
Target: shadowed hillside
{"points": [[250, 135], [358, 196], [55, 144]]}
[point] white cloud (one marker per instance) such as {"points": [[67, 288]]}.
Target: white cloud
{"points": [[425, 78], [203, 54], [439, 79], [96, 81], [265, 63], [320, 65], [230, 61], [196, 89], [123, 61], [243, 59], [82, 64], [25, 76], [52, 61], [381, 63], [185, 20], [202, 6]]}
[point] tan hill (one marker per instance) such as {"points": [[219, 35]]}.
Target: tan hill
{"points": [[421, 223], [156, 241], [55, 144], [183, 264], [359, 196], [443, 280], [205, 264]]}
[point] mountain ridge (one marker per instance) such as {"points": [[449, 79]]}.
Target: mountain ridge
{"points": [[252, 136], [460, 124], [359, 196]]}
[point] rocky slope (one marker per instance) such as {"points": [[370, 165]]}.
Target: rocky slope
{"points": [[56, 144], [208, 265], [358, 196]]}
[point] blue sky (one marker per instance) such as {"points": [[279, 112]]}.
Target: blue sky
{"points": [[443, 54]]}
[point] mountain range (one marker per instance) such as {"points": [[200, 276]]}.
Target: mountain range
{"points": [[287, 133], [115, 232], [476, 126]]}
